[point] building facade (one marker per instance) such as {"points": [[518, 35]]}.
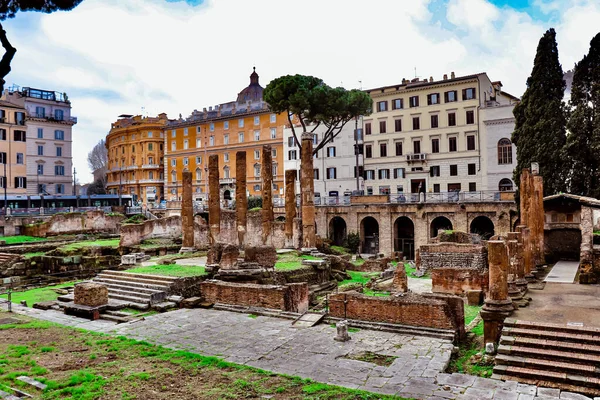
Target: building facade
{"points": [[13, 146], [135, 147], [446, 136], [242, 125]]}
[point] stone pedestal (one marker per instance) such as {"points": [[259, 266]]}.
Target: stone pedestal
{"points": [[307, 187], [229, 257], [214, 199], [268, 217], [290, 206], [400, 282], [90, 294], [511, 245], [342, 332], [187, 214], [241, 200], [497, 305], [521, 281]]}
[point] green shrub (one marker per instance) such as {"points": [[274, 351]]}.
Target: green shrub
{"points": [[254, 202], [352, 242]]}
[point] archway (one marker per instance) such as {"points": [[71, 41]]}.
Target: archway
{"points": [[337, 231], [404, 237], [369, 234], [505, 185], [438, 223], [482, 226], [227, 195]]}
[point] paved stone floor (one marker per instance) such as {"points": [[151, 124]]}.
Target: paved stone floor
{"points": [[273, 344], [563, 272]]}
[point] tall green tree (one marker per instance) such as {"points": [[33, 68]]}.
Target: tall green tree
{"points": [[540, 129], [583, 141]]}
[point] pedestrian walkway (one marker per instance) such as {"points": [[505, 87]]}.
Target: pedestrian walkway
{"points": [[273, 344], [563, 272]]}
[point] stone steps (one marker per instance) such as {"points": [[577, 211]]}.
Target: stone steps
{"points": [[557, 336], [139, 285], [592, 351], [135, 277], [118, 285]]}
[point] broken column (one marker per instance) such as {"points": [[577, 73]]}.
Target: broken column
{"points": [[521, 281], [497, 304], [524, 197], [307, 188], [214, 199], [512, 245], [290, 206], [342, 331], [268, 217], [187, 214], [241, 200], [400, 282], [528, 263], [536, 218]]}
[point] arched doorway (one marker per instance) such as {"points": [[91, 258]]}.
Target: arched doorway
{"points": [[227, 195], [369, 235], [404, 237], [482, 226], [337, 231], [505, 185], [438, 223]]}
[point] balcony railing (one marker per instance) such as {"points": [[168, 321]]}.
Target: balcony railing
{"points": [[227, 181], [416, 157], [153, 166], [150, 181]]}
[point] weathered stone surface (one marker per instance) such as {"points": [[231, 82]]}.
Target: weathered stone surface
{"points": [[290, 205], [307, 188], [44, 305], [268, 217], [191, 302], [265, 256], [91, 294], [187, 211], [214, 254], [229, 257], [400, 283], [214, 198], [376, 265], [537, 219], [32, 382], [452, 255], [454, 237], [128, 259], [474, 297], [241, 200], [342, 331]]}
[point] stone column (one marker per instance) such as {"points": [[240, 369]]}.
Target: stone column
{"points": [[524, 197], [268, 217], [521, 281], [187, 213], [536, 217], [512, 245], [290, 206], [241, 200], [214, 199], [307, 188], [528, 264], [497, 305]]}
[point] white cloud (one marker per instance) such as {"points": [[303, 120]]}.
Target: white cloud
{"points": [[117, 56]]}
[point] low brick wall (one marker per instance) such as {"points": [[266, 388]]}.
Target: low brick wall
{"points": [[74, 223], [290, 297], [458, 280], [412, 309], [452, 255]]}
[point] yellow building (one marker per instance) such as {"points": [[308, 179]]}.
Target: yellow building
{"points": [[13, 147], [245, 124], [135, 157]]}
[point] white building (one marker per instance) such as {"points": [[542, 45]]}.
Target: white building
{"points": [[334, 165]]}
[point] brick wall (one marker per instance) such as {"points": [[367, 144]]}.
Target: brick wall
{"points": [[76, 222], [453, 255], [291, 297], [458, 280]]}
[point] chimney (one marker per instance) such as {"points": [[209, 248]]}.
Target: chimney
{"points": [[445, 77], [452, 75], [219, 111], [209, 108], [431, 79], [403, 81]]}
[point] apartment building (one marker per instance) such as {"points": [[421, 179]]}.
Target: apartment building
{"points": [[439, 136], [334, 165], [245, 124], [136, 156], [13, 147]]}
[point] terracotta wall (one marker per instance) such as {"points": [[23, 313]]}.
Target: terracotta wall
{"points": [[458, 280], [73, 223]]}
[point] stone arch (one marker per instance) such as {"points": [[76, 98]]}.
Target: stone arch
{"points": [[483, 226], [439, 223], [404, 237], [505, 185], [227, 194], [338, 230], [369, 235]]}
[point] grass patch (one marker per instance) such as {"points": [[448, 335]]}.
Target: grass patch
{"points": [[359, 261], [170, 270], [91, 243], [376, 293], [471, 313], [470, 361], [478, 329], [22, 239], [411, 272], [359, 277], [292, 260], [37, 295], [34, 254], [340, 249], [255, 209]]}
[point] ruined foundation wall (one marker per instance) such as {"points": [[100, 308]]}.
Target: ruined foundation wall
{"points": [[453, 255], [458, 281], [74, 223]]}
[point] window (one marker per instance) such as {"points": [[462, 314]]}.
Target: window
{"points": [[60, 188], [150, 160], [382, 106], [384, 174], [397, 104], [369, 190], [398, 125], [150, 146], [472, 187], [173, 176], [198, 159], [505, 185], [256, 169], [368, 128], [58, 151], [416, 123], [398, 173], [20, 118], [173, 162], [185, 144], [369, 174], [436, 187], [273, 118], [331, 173], [417, 146], [186, 161], [382, 126], [451, 119], [257, 135], [226, 174], [211, 127], [504, 151], [240, 123], [225, 139], [368, 151], [198, 143], [2, 134], [433, 98], [434, 170], [470, 117], [173, 133], [398, 148], [185, 131], [274, 172], [150, 174], [40, 150], [452, 144], [173, 146], [20, 158], [414, 101], [257, 154], [40, 169], [471, 170], [40, 133], [471, 142], [257, 188], [292, 155], [211, 141], [198, 174], [241, 136], [450, 96], [149, 134], [331, 151], [434, 121], [19, 136], [273, 133], [468, 94], [435, 145], [41, 188], [291, 142], [59, 170], [316, 173], [454, 170], [58, 115], [40, 112], [274, 153], [257, 120], [382, 149]]}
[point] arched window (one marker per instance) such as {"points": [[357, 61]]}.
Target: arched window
{"points": [[173, 176], [505, 185], [226, 172], [504, 151], [198, 174]]}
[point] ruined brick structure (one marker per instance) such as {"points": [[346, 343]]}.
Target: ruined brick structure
{"points": [[214, 203], [187, 213], [267, 192], [241, 200]]}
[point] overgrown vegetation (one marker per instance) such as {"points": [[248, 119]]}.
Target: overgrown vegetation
{"points": [[352, 242], [22, 239], [291, 260], [37, 295], [135, 219], [358, 277], [170, 270], [471, 360], [471, 313], [91, 243], [33, 254], [410, 271], [254, 203]]}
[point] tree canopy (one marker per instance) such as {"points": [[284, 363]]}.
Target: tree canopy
{"points": [[313, 103], [9, 8]]}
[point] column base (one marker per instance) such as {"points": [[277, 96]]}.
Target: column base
{"points": [[186, 250]]}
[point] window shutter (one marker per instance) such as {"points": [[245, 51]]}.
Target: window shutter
{"points": [[16, 181], [430, 171], [428, 99], [464, 94], [25, 183]]}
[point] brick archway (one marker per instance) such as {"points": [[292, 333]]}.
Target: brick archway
{"points": [[483, 226], [404, 236], [438, 223], [338, 230], [369, 235]]}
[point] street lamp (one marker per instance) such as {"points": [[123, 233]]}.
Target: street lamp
{"points": [[120, 183]]}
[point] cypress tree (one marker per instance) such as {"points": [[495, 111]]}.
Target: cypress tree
{"points": [[540, 118], [583, 140]]}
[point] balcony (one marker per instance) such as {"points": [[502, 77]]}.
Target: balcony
{"points": [[226, 181], [150, 166], [150, 181], [416, 157]]}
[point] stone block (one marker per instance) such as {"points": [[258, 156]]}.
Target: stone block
{"points": [[44, 305], [91, 294], [342, 332], [191, 302], [400, 283], [474, 297], [229, 257], [128, 259], [265, 256]]}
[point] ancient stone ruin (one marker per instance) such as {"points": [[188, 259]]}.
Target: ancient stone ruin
{"points": [[241, 200]]}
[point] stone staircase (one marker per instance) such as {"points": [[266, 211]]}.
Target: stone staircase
{"points": [[6, 258], [139, 290], [550, 355]]}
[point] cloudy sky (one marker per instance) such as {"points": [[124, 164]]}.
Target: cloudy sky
{"points": [[151, 56]]}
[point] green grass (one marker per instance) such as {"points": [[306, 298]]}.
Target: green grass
{"points": [[22, 239], [170, 270], [255, 209], [359, 277], [359, 262], [463, 364], [34, 254], [371, 292], [478, 330], [470, 313], [340, 249], [91, 243], [291, 261], [38, 294], [411, 272]]}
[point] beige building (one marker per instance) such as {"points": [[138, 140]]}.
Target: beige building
{"points": [[13, 146], [439, 137]]}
